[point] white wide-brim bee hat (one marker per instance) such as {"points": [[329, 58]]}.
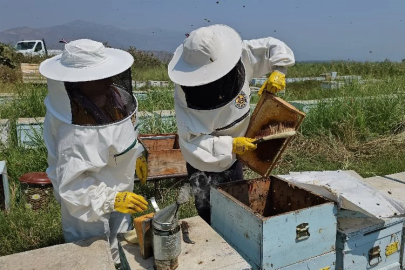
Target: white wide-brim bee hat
{"points": [[206, 55]]}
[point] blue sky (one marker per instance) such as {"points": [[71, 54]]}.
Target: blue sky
{"points": [[314, 29]]}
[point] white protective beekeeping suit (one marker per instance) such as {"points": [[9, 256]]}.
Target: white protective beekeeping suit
{"points": [[205, 56], [90, 163]]}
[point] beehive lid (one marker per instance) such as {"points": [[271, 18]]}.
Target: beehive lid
{"points": [[35, 178], [270, 109], [355, 224]]}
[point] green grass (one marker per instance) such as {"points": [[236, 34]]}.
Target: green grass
{"points": [[353, 132], [158, 73], [382, 155], [357, 119], [23, 229], [156, 100], [28, 102], [374, 69], [310, 90]]}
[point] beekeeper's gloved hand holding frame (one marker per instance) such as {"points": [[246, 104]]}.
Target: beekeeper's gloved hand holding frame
{"points": [[275, 83]]}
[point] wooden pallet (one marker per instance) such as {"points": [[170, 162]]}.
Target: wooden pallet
{"points": [[30, 74]]}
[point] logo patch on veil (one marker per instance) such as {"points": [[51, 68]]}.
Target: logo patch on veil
{"points": [[241, 100]]}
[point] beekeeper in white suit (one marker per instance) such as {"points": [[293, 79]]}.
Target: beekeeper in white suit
{"points": [[212, 70], [90, 131]]}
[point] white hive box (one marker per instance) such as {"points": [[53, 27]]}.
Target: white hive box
{"points": [[4, 131], [29, 129], [153, 84]]}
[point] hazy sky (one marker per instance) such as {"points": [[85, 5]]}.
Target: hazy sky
{"points": [[314, 29]]}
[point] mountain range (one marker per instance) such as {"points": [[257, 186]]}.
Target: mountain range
{"points": [[162, 43]]}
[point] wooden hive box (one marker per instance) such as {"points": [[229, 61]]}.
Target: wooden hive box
{"points": [[164, 155], [269, 110]]}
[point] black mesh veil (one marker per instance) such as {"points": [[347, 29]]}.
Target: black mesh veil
{"points": [[103, 101], [123, 82], [218, 93]]}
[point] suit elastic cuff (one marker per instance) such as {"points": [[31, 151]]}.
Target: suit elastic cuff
{"points": [[222, 145], [280, 69], [110, 202]]}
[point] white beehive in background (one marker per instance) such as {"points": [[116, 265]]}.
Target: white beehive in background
{"points": [[28, 130], [4, 131]]}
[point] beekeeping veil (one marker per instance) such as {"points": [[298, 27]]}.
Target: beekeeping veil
{"points": [[89, 84], [217, 93], [208, 67]]}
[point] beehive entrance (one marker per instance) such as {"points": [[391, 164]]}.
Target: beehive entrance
{"points": [[271, 196]]}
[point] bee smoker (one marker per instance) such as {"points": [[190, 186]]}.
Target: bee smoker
{"points": [[166, 238]]}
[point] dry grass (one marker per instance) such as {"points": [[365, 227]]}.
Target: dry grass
{"points": [[9, 75], [380, 156]]}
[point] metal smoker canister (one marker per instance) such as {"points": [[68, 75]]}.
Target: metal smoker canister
{"points": [[166, 239]]}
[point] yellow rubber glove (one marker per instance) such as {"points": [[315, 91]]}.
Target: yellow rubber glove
{"points": [[141, 169], [275, 83], [129, 203], [241, 145]]}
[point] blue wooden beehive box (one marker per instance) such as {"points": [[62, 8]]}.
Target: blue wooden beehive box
{"points": [[368, 243], [272, 223], [392, 186]]}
